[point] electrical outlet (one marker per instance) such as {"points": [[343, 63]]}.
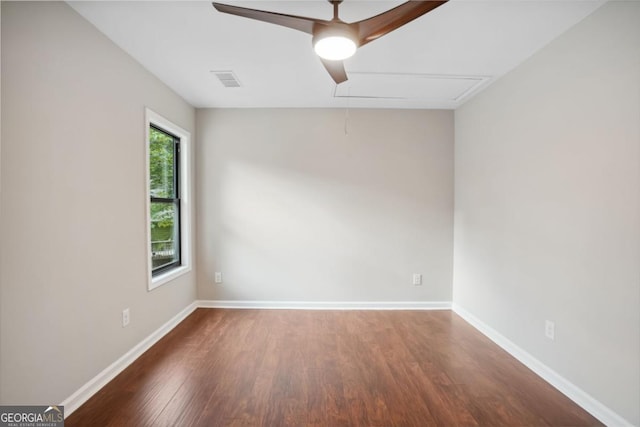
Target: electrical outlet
{"points": [[125, 317], [417, 279], [218, 277], [550, 330]]}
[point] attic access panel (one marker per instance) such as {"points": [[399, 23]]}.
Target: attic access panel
{"points": [[428, 87]]}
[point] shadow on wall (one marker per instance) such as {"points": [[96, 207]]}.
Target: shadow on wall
{"points": [[349, 217]]}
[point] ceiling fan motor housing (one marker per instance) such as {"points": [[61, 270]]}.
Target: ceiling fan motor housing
{"points": [[335, 29]]}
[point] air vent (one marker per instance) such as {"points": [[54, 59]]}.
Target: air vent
{"points": [[227, 78]]}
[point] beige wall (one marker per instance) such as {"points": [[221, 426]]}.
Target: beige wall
{"points": [[290, 208], [547, 206], [73, 249]]}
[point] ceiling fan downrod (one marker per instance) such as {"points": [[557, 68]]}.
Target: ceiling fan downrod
{"points": [[335, 4]]}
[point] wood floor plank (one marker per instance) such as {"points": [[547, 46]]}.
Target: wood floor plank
{"points": [[327, 368]]}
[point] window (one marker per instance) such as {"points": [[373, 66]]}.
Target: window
{"points": [[168, 212], [164, 190]]}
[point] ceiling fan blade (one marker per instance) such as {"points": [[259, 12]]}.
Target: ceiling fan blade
{"points": [[299, 23], [379, 25], [335, 69]]}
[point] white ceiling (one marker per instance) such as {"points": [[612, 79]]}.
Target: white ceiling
{"points": [[440, 60]]}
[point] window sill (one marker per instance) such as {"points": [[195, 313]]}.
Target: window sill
{"points": [[168, 276]]}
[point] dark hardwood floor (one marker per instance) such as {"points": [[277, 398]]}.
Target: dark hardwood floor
{"points": [[327, 368]]}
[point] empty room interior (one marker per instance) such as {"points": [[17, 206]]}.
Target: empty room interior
{"points": [[208, 219]]}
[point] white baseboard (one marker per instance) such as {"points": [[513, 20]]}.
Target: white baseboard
{"points": [[579, 396], [328, 305], [83, 394]]}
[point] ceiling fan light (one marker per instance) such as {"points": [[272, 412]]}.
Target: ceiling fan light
{"points": [[335, 48]]}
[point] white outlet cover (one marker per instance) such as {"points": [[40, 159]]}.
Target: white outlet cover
{"points": [[218, 277], [417, 279], [550, 329]]}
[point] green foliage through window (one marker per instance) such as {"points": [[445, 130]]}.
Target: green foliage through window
{"points": [[164, 150]]}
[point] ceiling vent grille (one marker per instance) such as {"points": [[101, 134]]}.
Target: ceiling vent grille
{"points": [[227, 78]]}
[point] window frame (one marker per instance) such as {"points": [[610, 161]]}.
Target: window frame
{"points": [[183, 265]]}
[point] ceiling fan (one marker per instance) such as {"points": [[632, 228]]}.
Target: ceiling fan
{"points": [[337, 40]]}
